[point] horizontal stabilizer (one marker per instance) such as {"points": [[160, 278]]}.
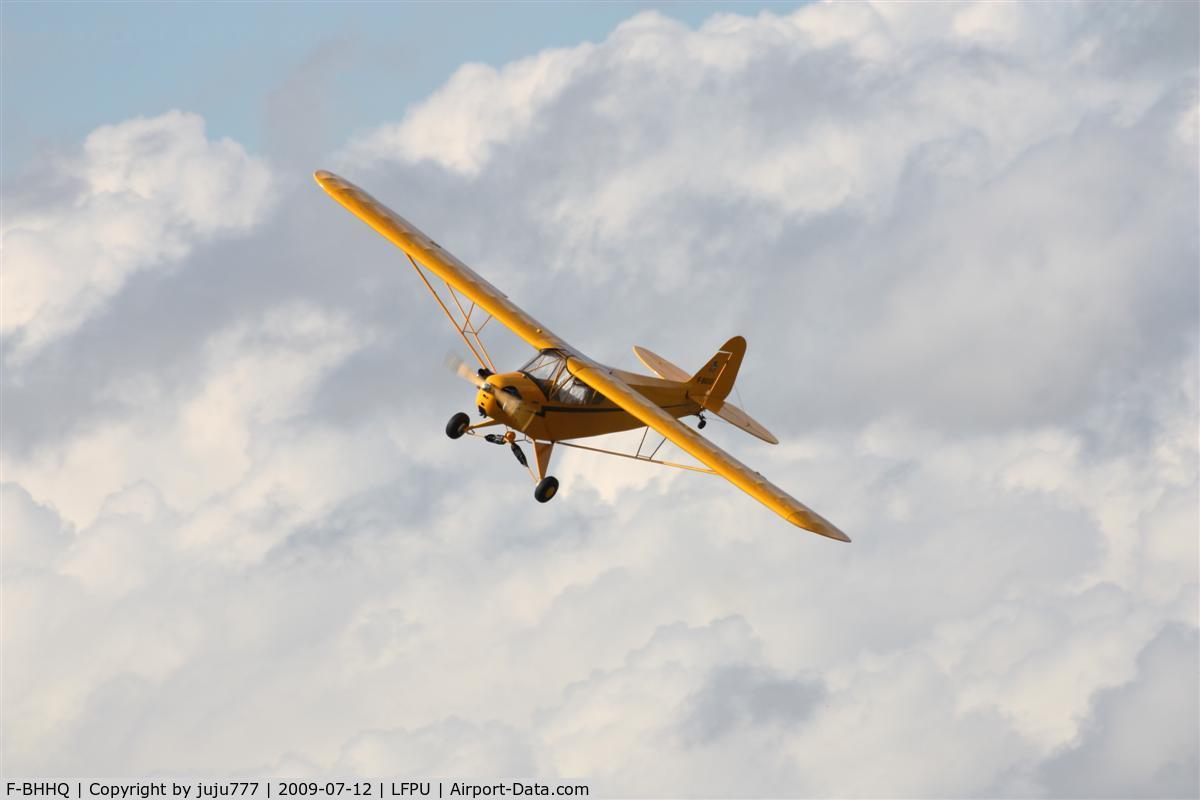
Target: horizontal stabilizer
{"points": [[660, 366], [728, 411], [740, 419]]}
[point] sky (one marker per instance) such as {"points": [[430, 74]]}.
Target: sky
{"points": [[117, 60], [960, 239]]}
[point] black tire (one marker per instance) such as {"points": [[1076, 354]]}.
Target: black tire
{"points": [[457, 425], [546, 489]]}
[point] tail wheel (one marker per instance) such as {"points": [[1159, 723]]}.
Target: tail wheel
{"points": [[546, 489], [457, 425]]}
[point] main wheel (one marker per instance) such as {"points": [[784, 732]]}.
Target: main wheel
{"points": [[457, 425], [546, 489]]}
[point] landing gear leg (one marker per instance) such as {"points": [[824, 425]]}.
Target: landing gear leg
{"points": [[703, 421], [548, 485]]}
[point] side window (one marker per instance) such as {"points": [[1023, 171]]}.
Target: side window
{"points": [[576, 392]]}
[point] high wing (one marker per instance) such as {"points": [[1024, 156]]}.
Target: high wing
{"points": [[420, 247], [417, 245], [752, 483]]}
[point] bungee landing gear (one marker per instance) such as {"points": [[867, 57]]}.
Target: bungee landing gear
{"points": [[547, 485]]}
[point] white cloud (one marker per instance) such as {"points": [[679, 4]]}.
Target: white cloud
{"points": [[205, 443], [495, 104], [1114, 757], [961, 241], [141, 195], [959, 166]]}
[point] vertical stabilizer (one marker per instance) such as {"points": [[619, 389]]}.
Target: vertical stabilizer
{"points": [[713, 382], [729, 359]]}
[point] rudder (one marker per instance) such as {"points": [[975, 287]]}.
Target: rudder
{"points": [[713, 382]]}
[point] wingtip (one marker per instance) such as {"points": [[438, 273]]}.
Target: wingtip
{"points": [[324, 177], [816, 524], [833, 533]]}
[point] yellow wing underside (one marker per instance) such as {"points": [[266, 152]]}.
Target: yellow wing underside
{"points": [[405, 235], [465, 280], [700, 448]]}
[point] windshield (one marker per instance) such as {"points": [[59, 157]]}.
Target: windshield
{"points": [[545, 366]]}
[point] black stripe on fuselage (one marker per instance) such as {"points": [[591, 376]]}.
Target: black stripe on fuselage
{"points": [[594, 409]]}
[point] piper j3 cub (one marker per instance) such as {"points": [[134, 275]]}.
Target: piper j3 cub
{"points": [[560, 394]]}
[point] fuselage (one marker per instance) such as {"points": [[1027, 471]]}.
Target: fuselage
{"points": [[564, 408]]}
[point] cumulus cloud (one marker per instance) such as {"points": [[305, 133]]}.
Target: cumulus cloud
{"points": [[961, 241], [1114, 757], [139, 195], [958, 167], [498, 105]]}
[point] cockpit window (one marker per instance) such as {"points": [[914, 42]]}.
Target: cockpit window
{"points": [[548, 369], [575, 392], [545, 366]]}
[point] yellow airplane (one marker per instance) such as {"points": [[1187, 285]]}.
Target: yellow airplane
{"points": [[561, 394]]}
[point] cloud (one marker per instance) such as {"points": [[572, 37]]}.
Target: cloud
{"points": [[739, 695], [948, 161], [961, 242], [496, 105], [1114, 757], [453, 747], [138, 196]]}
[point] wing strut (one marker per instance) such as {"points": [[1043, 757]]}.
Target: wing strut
{"points": [[639, 456], [466, 329], [650, 459]]}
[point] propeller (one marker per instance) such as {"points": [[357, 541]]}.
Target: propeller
{"points": [[460, 368], [520, 412]]}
